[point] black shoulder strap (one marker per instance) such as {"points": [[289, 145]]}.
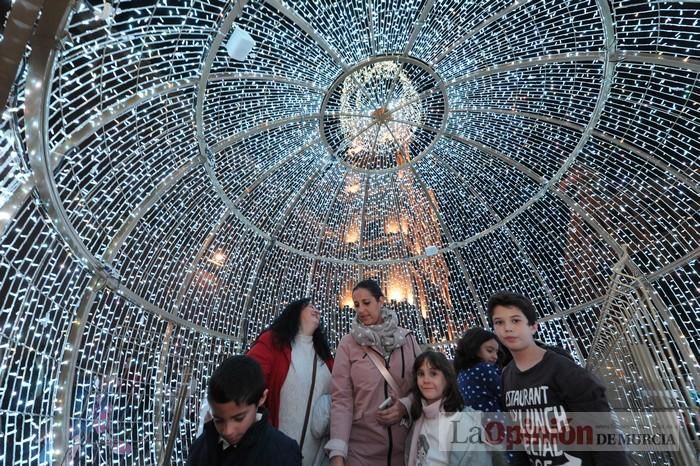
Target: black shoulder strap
{"points": [[308, 403]]}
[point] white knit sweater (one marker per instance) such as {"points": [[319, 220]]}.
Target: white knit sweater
{"points": [[295, 394]]}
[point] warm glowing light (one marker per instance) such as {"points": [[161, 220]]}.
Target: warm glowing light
{"points": [[353, 100], [404, 226], [353, 235], [396, 293], [399, 289], [219, 258], [346, 300], [392, 227]]}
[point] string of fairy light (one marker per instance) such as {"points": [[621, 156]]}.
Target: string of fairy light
{"points": [[530, 145]]}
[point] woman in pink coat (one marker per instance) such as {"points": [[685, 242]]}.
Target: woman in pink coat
{"points": [[362, 434]]}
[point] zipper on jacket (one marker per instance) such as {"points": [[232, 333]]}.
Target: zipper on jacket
{"points": [[391, 446]]}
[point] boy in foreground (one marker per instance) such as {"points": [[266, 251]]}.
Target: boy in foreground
{"points": [[238, 434], [541, 384]]}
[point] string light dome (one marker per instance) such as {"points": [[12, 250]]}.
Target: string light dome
{"points": [[160, 201]]}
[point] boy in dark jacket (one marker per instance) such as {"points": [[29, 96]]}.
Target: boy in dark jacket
{"points": [[540, 385], [238, 434]]}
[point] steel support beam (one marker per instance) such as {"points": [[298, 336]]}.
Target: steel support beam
{"points": [[469, 34], [310, 31], [18, 30], [687, 181], [426, 9]]}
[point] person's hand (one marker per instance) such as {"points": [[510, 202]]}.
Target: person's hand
{"points": [[337, 461], [391, 415]]}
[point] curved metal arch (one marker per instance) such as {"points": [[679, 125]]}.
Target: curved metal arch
{"points": [[469, 34], [593, 133], [41, 65], [609, 67], [424, 188], [665, 60], [243, 219], [539, 179], [442, 163], [243, 326], [547, 186], [479, 195], [530, 173], [243, 335], [680, 176], [226, 25], [167, 338], [324, 221], [446, 231], [586, 57], [16, 34], [649, 278], [310, 31], [570, 57], [110, 114], [261, 128], [277, 166], [372, 40], [113, 112], [243, 329], [66, 376], [122, 107], [230, 76], [136, 215], [349, 73], [458, 254], [273, 169], [208, 62], [551, 58], [425, 11], [692, 64]]}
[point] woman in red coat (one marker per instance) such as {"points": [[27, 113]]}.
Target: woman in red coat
{"points": [[287, 351]]}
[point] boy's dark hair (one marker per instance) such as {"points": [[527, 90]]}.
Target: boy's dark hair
{"points": [[286, 326], [451, 398], [469, 345], [371, 286], [507, 298], [238, 379]]}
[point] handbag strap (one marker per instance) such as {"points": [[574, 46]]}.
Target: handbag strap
{"points": [[374, 357], [308, 403]]}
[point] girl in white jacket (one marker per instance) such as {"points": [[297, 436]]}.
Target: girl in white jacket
{"points": [[438, 404]]}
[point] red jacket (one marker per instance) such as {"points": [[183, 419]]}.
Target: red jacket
{"points": [[275, 362]]}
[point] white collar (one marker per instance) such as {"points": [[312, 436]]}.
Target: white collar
{"points": [[224, 443]]}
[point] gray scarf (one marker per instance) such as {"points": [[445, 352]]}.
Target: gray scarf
{"points": [[386, 336]]}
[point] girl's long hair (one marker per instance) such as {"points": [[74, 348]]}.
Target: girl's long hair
{"points": [[286, 326], [468, 347], [451, 398]]}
